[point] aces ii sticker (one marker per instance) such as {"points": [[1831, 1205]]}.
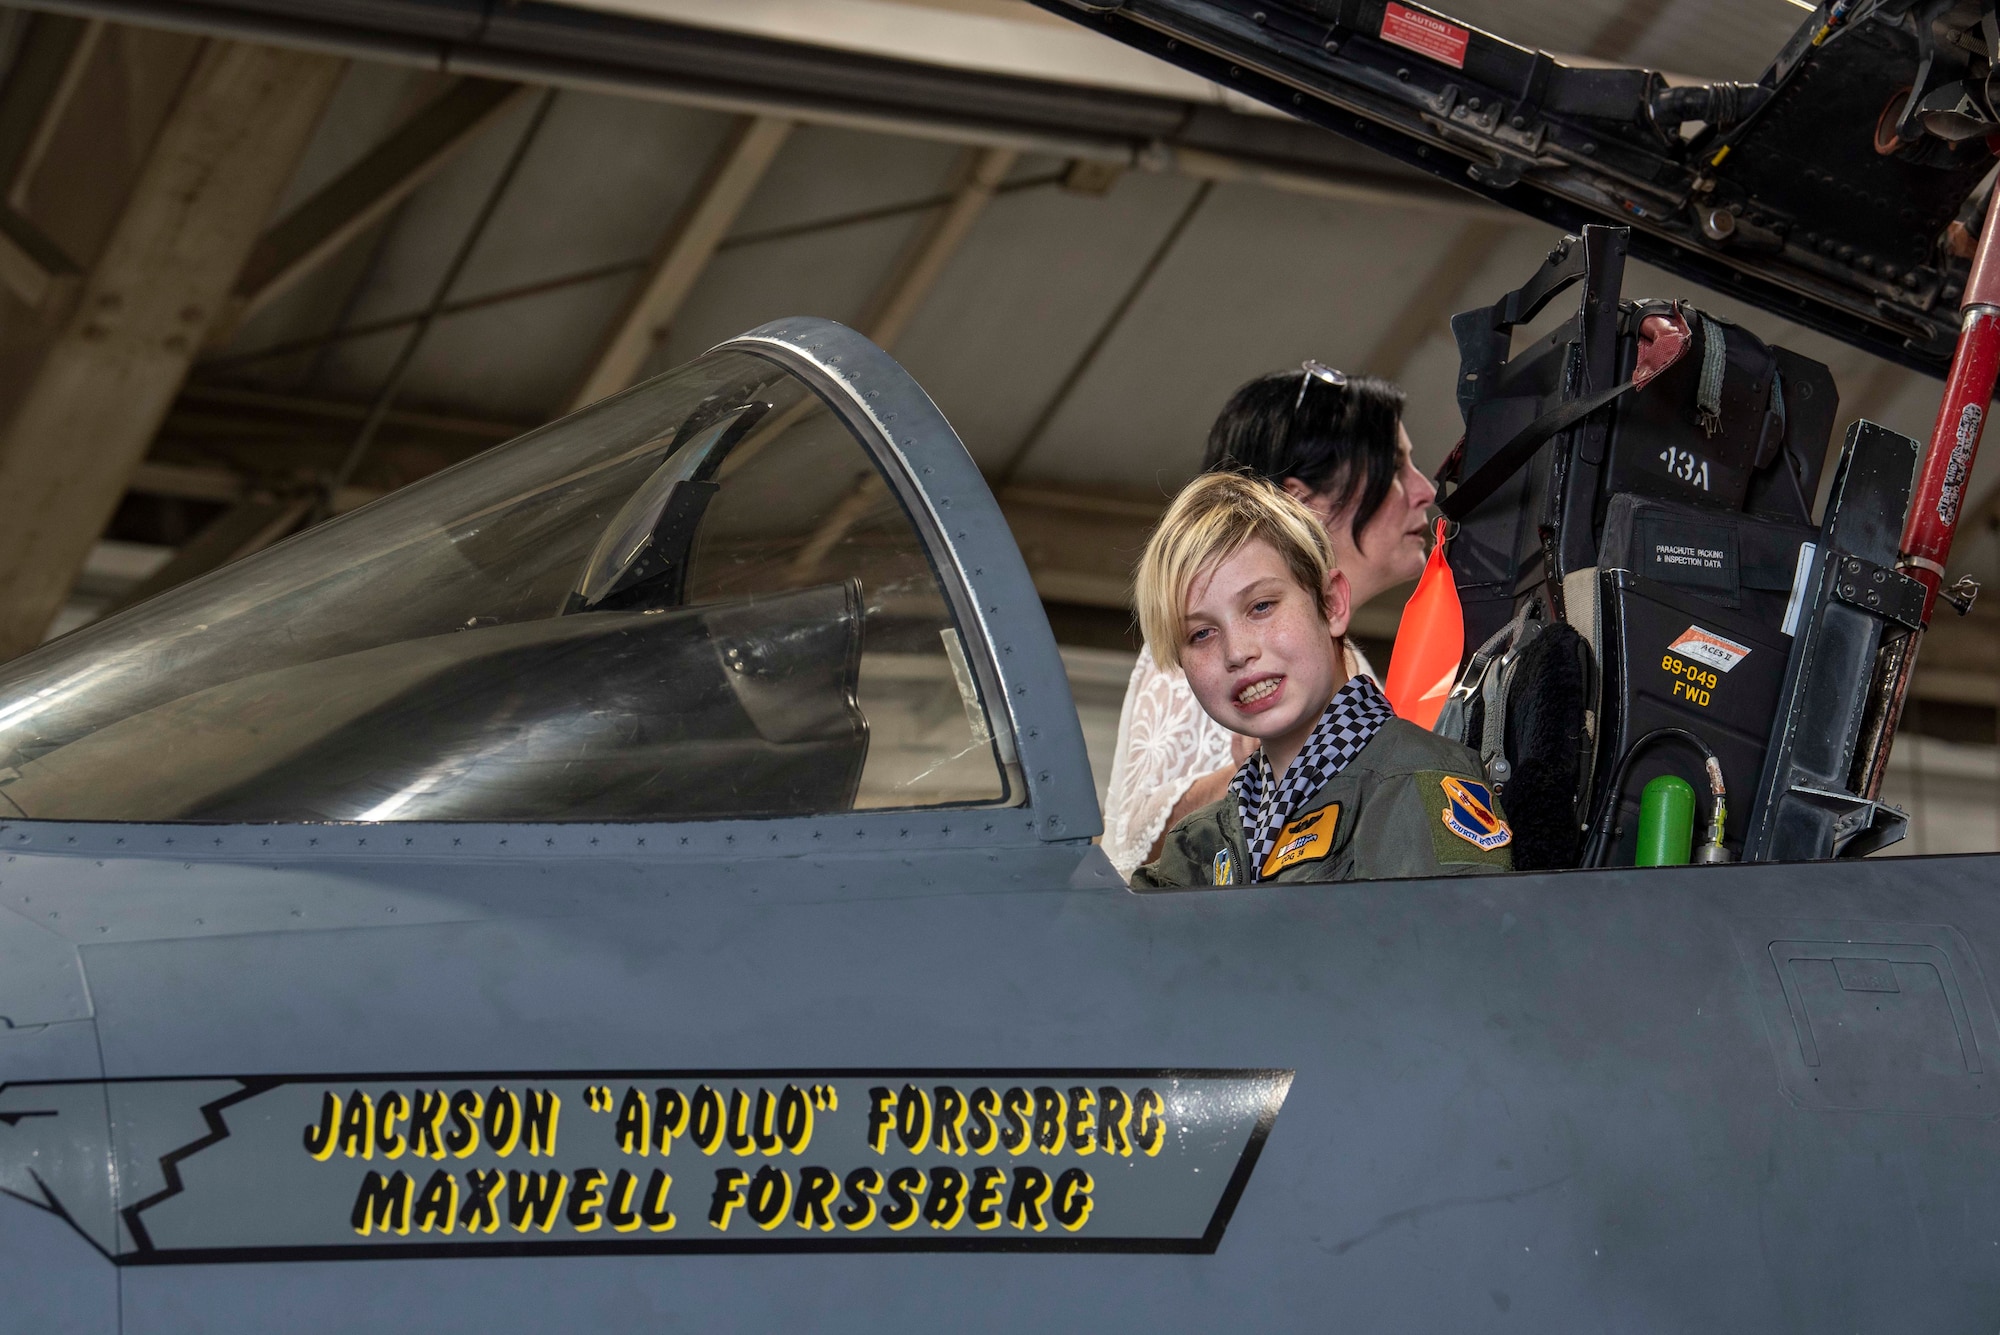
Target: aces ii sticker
{"points": [[1719, 652], [347, 1167]]}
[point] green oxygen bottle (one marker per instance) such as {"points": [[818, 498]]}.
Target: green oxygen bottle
{"points": [[1666, 823]]}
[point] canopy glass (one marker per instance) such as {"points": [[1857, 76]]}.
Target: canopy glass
{"points": [[700, 599]]}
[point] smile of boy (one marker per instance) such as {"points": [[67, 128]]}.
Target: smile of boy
{"points": [[1259, 649]]}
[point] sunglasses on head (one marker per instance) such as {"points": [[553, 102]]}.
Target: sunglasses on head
{"points": [[1310, 371]]}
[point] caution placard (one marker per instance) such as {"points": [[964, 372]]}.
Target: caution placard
{"points": [[1426, 34]]}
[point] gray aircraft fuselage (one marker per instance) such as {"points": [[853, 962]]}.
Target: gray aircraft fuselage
{"points": [[607, 1072]]}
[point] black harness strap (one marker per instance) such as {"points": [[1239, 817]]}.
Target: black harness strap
{"points": [[1508, 459]]}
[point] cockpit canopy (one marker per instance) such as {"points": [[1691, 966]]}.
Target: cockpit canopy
{"points": [[704, 598]]}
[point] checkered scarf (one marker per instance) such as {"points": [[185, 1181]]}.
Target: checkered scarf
{"points": [[1357, 712]]}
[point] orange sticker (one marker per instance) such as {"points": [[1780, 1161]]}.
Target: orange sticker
{"points": [[1706, 646]]}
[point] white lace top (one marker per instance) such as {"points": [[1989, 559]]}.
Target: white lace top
{"points": [[1165, 743]]}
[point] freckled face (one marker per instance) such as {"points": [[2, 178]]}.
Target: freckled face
{"points": [[1259, 651]]}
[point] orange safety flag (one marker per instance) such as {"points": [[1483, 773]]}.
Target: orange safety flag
{"points": [[1429, 643]]}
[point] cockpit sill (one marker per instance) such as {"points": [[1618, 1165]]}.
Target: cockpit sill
{"points": [[864, 832]]}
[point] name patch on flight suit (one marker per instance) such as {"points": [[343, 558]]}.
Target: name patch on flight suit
{"points": [[1469, 814], [1307, 839]]}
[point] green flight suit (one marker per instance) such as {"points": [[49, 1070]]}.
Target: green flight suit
{"points": [[1409, 804]]}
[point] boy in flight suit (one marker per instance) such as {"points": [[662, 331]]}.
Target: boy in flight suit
{"points": [[1237, 587]]}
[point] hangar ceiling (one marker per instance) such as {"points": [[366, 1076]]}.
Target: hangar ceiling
{"points": [[492, 216]]}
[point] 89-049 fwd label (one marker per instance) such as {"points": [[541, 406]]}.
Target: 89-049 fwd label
{"points": [[1693, 683], [327, 1168]]}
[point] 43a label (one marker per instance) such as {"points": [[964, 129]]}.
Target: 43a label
{"points": [[1686, 466]]}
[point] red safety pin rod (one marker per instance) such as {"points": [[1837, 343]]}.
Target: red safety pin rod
{"points": [[1939, 498], [1947, 468]]}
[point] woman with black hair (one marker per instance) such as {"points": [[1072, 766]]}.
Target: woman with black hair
{"points": [[1337, 443]]}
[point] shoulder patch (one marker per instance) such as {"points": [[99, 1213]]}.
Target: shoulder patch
{"points": [[1307, 839], [1469, 814], [1223, 871]]}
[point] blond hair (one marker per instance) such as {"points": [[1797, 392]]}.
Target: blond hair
{"points": [[1210, 521]]}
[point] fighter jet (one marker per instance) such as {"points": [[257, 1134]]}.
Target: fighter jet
{"points": [[643, 876]]}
